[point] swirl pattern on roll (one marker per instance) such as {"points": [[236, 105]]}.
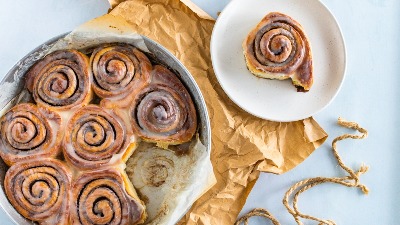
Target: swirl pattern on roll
{"points": [[61, 80], [93, 136], [28, 132], [99, 197], [163, 112], [118, 69], [279, 49], [39, 190]]}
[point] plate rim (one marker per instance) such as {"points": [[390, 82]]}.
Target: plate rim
{"points": [[213, 54]]}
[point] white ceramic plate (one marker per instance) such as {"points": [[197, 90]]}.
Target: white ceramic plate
{"points": [[273, 99]]}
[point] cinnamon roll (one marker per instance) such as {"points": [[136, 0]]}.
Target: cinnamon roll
{"points": [[163, 112], [278, 48], [93, 136], [28, 132], [61, 80], [104, 197], [39, 190], [118, 69]]}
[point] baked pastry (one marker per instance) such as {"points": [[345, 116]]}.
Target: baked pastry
{"points": [[163, 112], [29, 132], [278, 48], [105, 197], [93, 136], [39, 190], [68, 148], [61, 80], [118, 69]]}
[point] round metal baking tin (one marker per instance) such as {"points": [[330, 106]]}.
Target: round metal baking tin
{"points": [[14, 81]]}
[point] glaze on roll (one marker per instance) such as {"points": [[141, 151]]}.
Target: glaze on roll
{"points": [[61, 80], [39, 190], [93, 136], [68, 149], [163, 112], [278, 48], [100, 197], [118, 69], [29, 132]]}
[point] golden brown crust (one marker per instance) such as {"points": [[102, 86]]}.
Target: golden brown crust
{"points": [[163, 112], [93, 136], [118, 69], [29, 132], [61, 80], [99, 197], [278, 48], [96, 139], [39, 190]]}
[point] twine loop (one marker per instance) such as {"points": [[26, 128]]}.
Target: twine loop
{"points": [[352, 180]]}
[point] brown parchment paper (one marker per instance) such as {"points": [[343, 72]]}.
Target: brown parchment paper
{"points": [[242, 145]]}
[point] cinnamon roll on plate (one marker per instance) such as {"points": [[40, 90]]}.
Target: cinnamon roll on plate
{"points": [[278, 48], [292, 44]]}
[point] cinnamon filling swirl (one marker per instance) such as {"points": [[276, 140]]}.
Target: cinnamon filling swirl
{"points": [[99, 197], [61, 80], [118, 69], [163, 112], [93, 136], [39, 190], [29, 132], [279, 49]]}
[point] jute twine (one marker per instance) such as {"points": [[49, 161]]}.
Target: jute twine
{"points": [[352, 180]]}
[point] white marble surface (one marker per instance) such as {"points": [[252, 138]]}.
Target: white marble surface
{"points": [[369, 96]]}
